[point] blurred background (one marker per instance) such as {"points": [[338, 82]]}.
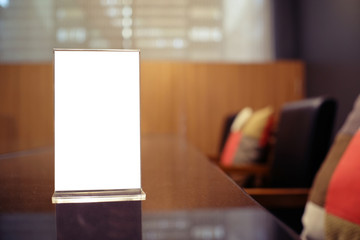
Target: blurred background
{"points": [[201, 60]]}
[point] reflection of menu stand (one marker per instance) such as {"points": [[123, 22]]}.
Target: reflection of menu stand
{"points": [[97, 126], [115, 220]]}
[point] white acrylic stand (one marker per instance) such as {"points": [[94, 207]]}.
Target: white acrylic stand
{"points": [[97, 126]]}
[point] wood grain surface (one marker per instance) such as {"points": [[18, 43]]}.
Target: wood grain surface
{"points": [[183, 98]]}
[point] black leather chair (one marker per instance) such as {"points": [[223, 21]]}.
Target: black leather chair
{"points": [[302, 139]]}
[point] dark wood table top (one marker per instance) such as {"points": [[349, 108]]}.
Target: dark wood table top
{"points": [[182, 187], [175, 175]]}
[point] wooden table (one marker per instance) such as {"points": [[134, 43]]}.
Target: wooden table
{"points": [[185, 191]]}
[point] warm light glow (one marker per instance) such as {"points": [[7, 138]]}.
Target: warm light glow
{"points": [[97, 120]]}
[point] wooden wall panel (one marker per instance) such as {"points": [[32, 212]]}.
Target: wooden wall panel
{"points": [[26, 107], [195, 98], [189, 99]]}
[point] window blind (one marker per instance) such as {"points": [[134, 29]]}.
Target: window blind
{"points": [[190, 30]]}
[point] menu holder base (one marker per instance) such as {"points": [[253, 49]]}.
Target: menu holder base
{"points": [[98, 196]]}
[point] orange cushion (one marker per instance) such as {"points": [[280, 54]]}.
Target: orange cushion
{"points": [[343, 197], [231, 145]]}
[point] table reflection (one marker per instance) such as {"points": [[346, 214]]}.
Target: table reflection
{"points": [[239, 223], [27, 226], [125, 220], [109, 220]]}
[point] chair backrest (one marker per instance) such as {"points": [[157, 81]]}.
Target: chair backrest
{"points": [[302, 141]]}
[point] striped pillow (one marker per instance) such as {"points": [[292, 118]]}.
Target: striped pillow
{"points": [[327, 183], [255, 135], [234, 138]]}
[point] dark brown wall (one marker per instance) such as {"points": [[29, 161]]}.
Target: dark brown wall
{"points": [[325, 34]]}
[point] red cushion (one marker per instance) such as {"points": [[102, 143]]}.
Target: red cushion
{"points": [[231, 145], [264, 139], [343, 197]]}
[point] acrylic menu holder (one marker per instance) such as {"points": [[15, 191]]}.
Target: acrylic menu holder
{"points": [[97, 126]]}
